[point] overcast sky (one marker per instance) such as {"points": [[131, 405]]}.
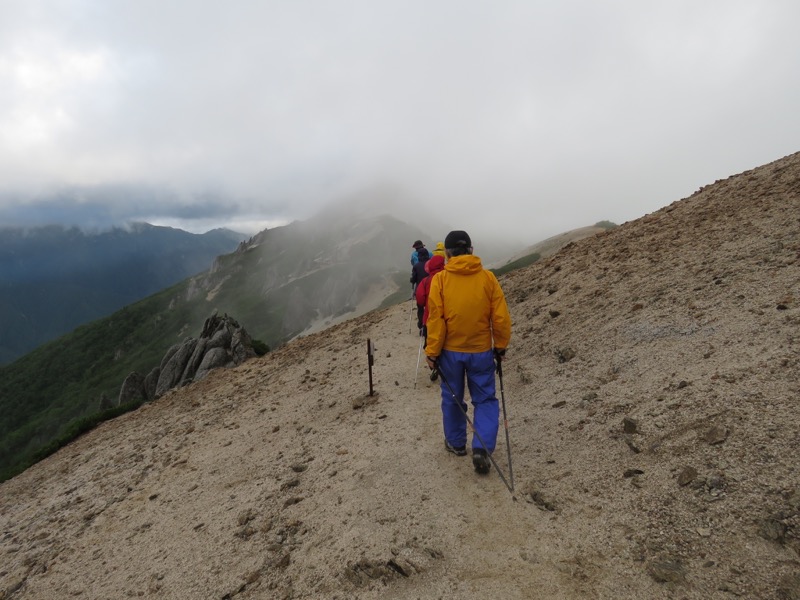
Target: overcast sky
{"points": [[531, 117]]}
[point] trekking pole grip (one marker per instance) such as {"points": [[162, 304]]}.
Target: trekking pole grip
{"points": [[498, 359]]}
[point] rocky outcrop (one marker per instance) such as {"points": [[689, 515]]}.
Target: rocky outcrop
{"points": [[132, 388], [150, 383], [172, 370], [223, 343]]}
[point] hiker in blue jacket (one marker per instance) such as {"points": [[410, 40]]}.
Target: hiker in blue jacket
{"points": [[415, 254]]}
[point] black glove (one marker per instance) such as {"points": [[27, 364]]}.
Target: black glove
{"points": [[499, 353]]}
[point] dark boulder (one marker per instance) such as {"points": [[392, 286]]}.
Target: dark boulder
{"points": [[172, 372], [213, 359], [223, 343]]}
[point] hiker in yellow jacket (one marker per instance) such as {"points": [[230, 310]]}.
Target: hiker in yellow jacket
{"points": [[469, 326]]}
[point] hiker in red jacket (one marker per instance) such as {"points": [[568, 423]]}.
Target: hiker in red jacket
{"points": [[419, 273], [433, 266]]}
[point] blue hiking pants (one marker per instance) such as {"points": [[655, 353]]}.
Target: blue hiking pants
{"points": [[478, 369]]}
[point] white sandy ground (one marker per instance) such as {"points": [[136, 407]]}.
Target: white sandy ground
{"points": [[283, 479]]}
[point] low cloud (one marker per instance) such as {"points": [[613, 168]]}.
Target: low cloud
{"points": [[522, 117]]}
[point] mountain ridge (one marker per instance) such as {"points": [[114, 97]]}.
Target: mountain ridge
{"points": [[651, 381]]}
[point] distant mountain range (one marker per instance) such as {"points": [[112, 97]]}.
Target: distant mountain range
{"points": [[53, 279]]}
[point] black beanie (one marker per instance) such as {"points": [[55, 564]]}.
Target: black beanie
{"points": [[457, 239]]}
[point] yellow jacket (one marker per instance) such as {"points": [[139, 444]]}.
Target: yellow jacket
{"points": [[439, 249], [467, 309]]}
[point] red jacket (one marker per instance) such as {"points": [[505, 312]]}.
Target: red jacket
{"points": [[433, 266]]}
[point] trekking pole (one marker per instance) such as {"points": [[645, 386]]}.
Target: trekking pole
{"points": [[505, 418], [411, 314], [419, 355], [478, 435]]}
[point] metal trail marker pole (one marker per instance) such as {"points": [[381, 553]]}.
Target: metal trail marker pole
{"points": [[371, 360]]}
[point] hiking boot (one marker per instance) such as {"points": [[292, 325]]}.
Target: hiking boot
{"points": [[480, 460], [457, 450]]}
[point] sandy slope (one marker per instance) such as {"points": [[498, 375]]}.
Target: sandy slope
{"points": [[219, 484], [652, 386]]}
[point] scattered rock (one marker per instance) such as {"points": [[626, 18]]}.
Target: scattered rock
{"points": [[716, 435], [401, 566], [14, 586], [703, 532], [789, 587], [565, 354], [730, 587], [543, 502], [290, 484], [366, 570], [541, 499], [773, 529], [716, 481], [282, 561], [686, 476], [667, 572], [630, 426], [246, 532], [246, 516], [252, 577], [363, 401]]}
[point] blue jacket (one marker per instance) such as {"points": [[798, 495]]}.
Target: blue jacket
{"points": [[415, 256]]}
